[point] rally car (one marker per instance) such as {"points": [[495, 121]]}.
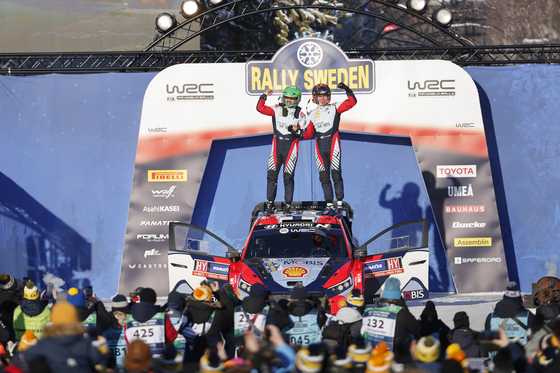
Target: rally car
{"points": [[312, 244]]}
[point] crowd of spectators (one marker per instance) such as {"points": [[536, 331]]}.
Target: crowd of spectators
{"points": [[211, 330]]}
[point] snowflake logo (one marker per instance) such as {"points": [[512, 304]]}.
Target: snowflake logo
{"points": [[309, 54]]}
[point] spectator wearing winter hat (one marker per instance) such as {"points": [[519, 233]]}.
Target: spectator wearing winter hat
{"points": [[547, 310], [209, 314], [120, 308], [428, 352], [33, 314], [464, 336], [254, 313], [510, 314], [64, 345], [430, 324], [148, 323], [94, 318], [391, 309], [138, 358], [175, 306], [9, 301], [306, 318], [342, 328]]}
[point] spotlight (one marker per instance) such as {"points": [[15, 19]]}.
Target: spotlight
{"points": [[165, 22], [443, 17], [214, 2], [191, 8], [417, 6]]}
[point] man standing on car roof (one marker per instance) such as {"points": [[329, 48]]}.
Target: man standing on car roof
{"points": [[324, 122], [284, 144]]}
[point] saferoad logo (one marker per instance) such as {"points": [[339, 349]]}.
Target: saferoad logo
{"points": [[164, 193], [190, 92], [460, 191], [464, 209], [432, 88], [308, 61], [167, 175], [461, 260], [475, 241], [456, 171]]}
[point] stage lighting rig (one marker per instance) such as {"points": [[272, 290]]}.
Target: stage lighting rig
{"points": [[165, 22], [191, 8], [417, 6], [443, 17]]}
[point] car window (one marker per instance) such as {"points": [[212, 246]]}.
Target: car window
{"points": [[275, 244]]}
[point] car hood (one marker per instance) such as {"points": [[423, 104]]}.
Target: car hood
{"points": [[281, 275]]}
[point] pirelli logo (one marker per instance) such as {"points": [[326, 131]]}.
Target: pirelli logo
{"points": [[167, 175], [475, 241]]}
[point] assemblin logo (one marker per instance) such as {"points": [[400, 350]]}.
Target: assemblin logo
{"points": [[164, 193], [456, 171], [460, 191], [474, 241]]}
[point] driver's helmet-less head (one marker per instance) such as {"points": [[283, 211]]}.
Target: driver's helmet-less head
{"points": [[291, 91], [321, 89]]}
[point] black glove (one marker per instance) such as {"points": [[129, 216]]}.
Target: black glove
{"points": [[341, 85], [294, 130]]}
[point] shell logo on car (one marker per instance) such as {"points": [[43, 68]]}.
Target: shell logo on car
{"points": [[295, 272]]}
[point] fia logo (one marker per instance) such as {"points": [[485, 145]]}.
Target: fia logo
{"points": [[171, 98]]}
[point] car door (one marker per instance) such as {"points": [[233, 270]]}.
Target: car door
{"points": [[400, 251], [197, 255]]}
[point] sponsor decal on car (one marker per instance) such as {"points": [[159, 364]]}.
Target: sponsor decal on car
{"points": [[386, 267], [295, 272], [213, 270]]}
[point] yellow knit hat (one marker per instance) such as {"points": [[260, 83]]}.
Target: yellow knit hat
{"points": [[64, 313], [27, 340], [30, 291], [203, 293], [454, 352]]}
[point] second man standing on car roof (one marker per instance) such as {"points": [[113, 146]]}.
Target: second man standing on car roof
{"points": [[285, 144]]}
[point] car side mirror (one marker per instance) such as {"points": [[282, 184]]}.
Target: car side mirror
{"points": [[360, 255], [233, 255]]}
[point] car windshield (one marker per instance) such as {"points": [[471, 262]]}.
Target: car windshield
{"points": [[289, 243]]}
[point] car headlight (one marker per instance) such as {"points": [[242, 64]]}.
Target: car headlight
{"points": [[342, 286], [244, 285]]}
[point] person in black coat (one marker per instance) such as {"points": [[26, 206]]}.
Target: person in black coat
{"points": [[201, 305], [462, 334], [430, 324], [103, 319]]}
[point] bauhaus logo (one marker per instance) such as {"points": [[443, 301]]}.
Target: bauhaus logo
{"points": [[464, 209], [474, 241], [456, 171], [167, 175]]}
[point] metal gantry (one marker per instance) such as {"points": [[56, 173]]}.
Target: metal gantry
{"points": [[104, 62]]}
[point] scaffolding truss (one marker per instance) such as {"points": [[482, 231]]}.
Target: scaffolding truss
{"points": [[105, 62]]}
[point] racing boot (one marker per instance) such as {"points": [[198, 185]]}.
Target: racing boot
{"points": [[287, 209], [339, 206], [270, 207]]}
